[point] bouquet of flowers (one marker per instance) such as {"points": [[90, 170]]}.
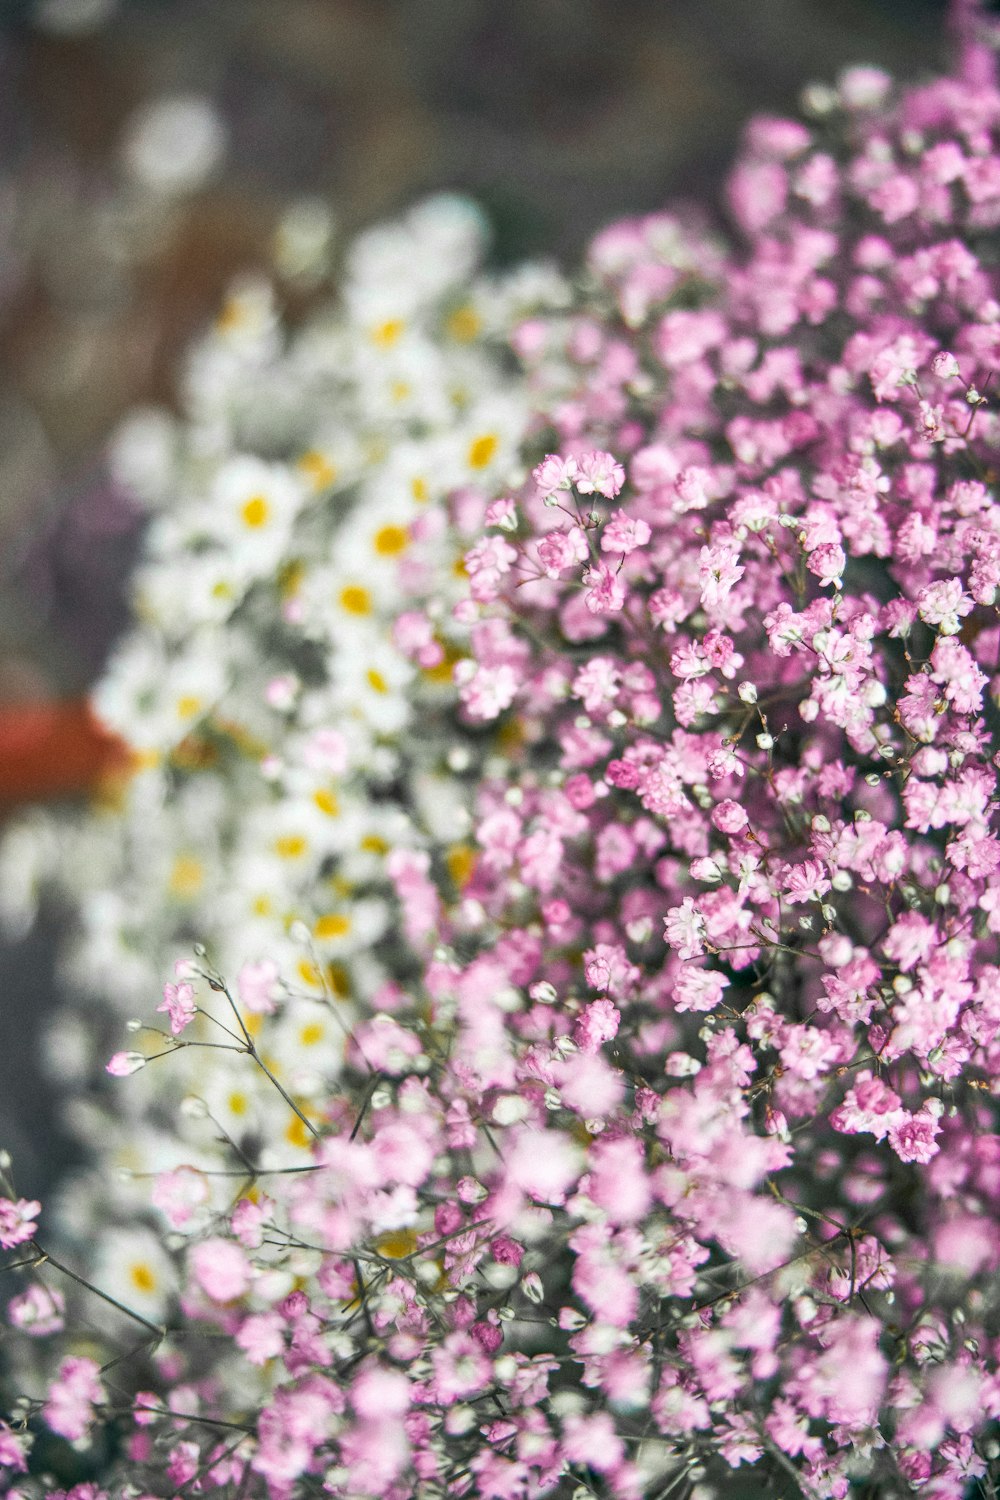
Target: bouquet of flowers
{"points": [[564, 813]]}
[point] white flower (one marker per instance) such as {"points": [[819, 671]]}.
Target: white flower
{"points": [[133, 1267]]}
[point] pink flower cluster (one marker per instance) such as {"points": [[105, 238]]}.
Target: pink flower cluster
{"points": [[673, 1148]]}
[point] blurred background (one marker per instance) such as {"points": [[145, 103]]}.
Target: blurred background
{"points": [[149, 148]]}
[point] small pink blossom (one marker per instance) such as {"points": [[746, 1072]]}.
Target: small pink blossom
{"points": [[17, 1221], [600, 473], [597, 1024], [39, 1310], [623, 534], [698, 989], [684, 929], [220, 1268], [180, 1195], [180, 1004], [502, 513], [719, 572], [605, 590], [827, 562], [729, 817], [544, 1164], [69, 1409], [486, 564], [123, 1064], [261, 1337], [914, 1137], [559, 550], [326, 751], [554, 474], [13, 1450], [806, 882]]}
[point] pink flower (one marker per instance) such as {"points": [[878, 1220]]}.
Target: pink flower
{"points": [[247, 1221], [617, 1180], [326, 751], [506, 1251], [596, 683], [502, 513], [805, 882], [828, 562], [684, 929], [220, 1268], [13, 1450], [460, 1369], [485, 691], [592, 1440], [699, 989], [719, 572], [914, 1138], [600, 473], [69, 1409], [597, 1024], [544, 1164], [623, 534], [554, 474], [729, 817], [17, 1221], [180, 1195], [39, 1310], [870, 1105], [256, 985], [179, 1003], [123, 1064], [261, 1337], [486, 564], [605, 591], [607, 968], [559, 550]]}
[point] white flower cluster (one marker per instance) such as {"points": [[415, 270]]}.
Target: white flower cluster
{"points": [[296, 503]]}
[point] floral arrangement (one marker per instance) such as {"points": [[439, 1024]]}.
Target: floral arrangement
{"points": [[564, 803]]}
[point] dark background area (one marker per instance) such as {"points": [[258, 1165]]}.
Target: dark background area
{"points": [[557, 114]]}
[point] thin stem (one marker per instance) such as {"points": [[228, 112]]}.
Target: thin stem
{"points": [[284, 1094], [44, 1258]]}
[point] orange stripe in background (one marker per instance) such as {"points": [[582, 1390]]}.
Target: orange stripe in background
{"points": [[54, 750]]}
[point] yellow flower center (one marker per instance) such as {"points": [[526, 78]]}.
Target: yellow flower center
{"points": [[334, 925], [297, 1134], [233, 315], [461, 861], [376, 681], [256, 512], [420, 491], [309, 974], [187, 875], [237, 1104], [290, 579], [464, 324], [188, 706], [142, 1277], [318, 469], [292, 846], [356, 600], [311, 1034], [396, 1244], [482, 450], [391, 540], [388, 333], [327, 802]]}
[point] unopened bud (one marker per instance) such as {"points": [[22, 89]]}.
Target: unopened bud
{"points": [[531, 1285]]}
